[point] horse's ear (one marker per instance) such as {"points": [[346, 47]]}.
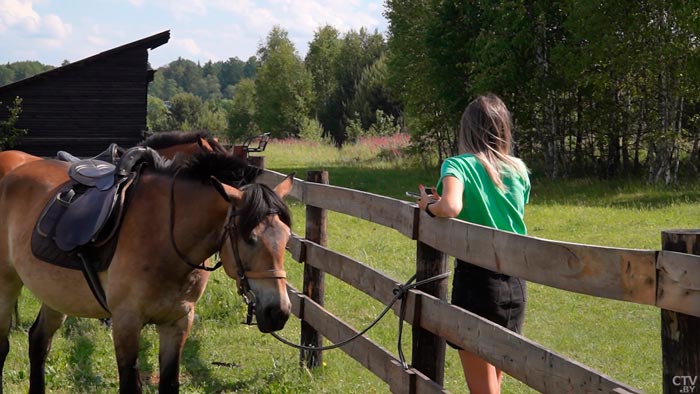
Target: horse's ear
{"points": [[285, 186], [202, 142], [229, 193]]}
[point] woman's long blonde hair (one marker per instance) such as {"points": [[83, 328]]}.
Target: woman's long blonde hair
{"points": [[486, 132]]}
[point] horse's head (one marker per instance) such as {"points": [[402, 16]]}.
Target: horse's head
{"points": [[257, 231]]}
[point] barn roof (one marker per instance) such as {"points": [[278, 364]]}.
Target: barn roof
{"points": [[84, 106], [151, 42]]}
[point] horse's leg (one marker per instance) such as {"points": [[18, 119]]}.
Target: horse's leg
{"points": [[9, 292], [40, 335], [172, 337], [126, 329]]}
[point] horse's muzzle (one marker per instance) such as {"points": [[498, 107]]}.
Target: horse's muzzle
{"points": [[271, 318]]}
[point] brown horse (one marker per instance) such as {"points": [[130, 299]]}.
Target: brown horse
{"points": [[177, 212], [167, 144], [11, 159]]}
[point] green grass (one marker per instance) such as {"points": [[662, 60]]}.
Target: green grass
{"points": [[223, 356]]}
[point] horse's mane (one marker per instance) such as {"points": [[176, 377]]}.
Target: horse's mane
{"points": [[200, 167], [226, 167], [259, 200], [162, 140]]}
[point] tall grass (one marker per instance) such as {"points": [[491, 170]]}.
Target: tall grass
{"points": [[223, 356]]}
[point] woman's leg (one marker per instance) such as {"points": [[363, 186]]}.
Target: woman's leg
{"points": [[482, 377]]}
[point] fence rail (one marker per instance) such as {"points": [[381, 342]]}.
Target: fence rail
{"points": [[665, 279]]}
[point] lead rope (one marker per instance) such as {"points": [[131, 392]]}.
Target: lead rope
{"points": [[399, 294]]}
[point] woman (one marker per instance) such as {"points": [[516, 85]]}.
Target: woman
{"points": [[485, 185]]}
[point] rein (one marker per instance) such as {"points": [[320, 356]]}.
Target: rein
{"points": [[230, 229], [182, 256], [400, 292]]}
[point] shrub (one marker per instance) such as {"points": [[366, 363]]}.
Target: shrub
{"points": [[9, 132], [311, 130]]}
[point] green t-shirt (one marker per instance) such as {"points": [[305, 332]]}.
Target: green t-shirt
{"points": [[483, 202]]}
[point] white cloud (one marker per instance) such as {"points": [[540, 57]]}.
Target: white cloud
{"points": [[183, 9], [188, 45], [55, 28], [193, 51], [20, 15]]}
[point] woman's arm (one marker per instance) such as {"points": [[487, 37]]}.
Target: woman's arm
{"points": [[448, 205]]}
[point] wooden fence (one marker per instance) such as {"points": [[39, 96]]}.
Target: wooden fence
{"points": [[668, 279]]}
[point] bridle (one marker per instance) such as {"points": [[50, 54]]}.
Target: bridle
{"points": [[231, 230]]}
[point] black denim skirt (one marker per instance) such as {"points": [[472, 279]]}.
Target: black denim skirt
{"points": [[493, 296]]}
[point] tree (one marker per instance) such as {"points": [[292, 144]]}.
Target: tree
{"points": [[187, 111], [9, 132], [322, 62], [157, 115], [372, 95], [12, 72], [359, 50], [187, 75], [413, 74], [162, 87], [241, 111], [283, 87]]}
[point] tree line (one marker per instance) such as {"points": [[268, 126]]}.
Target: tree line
{"points": [[596, 87], [338, 92], [600, 87]]}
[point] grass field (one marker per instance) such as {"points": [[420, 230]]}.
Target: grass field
{"points": [[223, 356]]}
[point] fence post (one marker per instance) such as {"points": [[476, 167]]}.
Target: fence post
{"points": [[314, 279], [257, 161], [429, 349], [680, 342]]}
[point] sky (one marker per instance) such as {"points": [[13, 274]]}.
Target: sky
{"points": [[51, 31]]}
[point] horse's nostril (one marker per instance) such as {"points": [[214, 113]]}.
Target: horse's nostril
{"points": [[276, 317]]}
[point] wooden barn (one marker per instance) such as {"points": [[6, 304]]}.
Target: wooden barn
{"points": [[84, 106]]}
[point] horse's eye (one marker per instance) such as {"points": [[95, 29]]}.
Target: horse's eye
{"points": [[251, 240]]}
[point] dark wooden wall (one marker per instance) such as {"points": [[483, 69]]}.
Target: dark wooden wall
{"points": [[85, 106]]}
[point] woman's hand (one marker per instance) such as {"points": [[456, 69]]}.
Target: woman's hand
{"points": [[426, 198], [448, 205]]}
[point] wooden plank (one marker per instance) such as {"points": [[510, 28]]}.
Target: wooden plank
{"points": [[527, 361], [365, 351], [362, 277], [386, 211], [296, 248], [273, 178], [620, 274], [679, 282]]}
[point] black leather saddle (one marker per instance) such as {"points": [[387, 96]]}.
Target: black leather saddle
{"points": [[77, 229], [98, 185]]}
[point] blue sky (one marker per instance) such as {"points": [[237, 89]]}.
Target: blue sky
{"points": [[51, 31]]}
